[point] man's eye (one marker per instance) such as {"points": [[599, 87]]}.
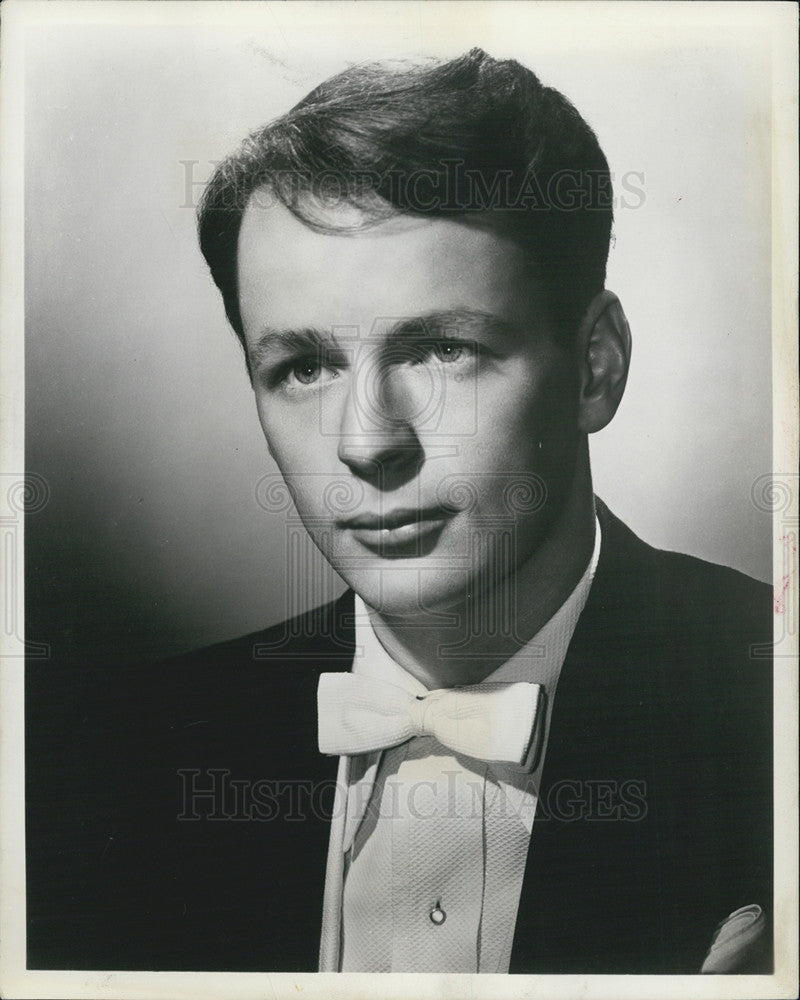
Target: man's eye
{"points": [[306, 372], [302, 372], [449, 350]]}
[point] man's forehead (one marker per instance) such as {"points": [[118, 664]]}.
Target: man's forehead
{"points": [[341, 228], [291, 274]]}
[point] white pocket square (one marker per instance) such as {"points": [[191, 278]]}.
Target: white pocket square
{"points": [[736, 941]]}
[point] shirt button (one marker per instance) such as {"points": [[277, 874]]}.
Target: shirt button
{"points": [[437, 915]]}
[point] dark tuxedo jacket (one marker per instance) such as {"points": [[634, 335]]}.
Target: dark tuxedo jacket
{"points": [[655, 816]]}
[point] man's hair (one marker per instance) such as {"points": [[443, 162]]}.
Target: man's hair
{"points": [[472, 138]]}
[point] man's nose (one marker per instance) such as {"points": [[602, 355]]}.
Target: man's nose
{"points": [[377, 439]]}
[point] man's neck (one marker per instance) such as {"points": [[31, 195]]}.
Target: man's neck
{"points": [[482, 639]]}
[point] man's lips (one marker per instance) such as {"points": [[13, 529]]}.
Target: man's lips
{"points": [[402, 533], [398, 518]]}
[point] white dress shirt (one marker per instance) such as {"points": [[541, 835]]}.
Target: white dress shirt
{"points": [[427, 850]]}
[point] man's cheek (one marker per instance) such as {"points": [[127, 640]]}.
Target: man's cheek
{"points": [[305, 499], [302, 458]]}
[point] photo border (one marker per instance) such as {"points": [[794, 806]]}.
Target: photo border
{"points": [[639, 18]]}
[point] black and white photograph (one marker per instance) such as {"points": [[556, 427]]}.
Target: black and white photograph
{"points": [[399, 499]]}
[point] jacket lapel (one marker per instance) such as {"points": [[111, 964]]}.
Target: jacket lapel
{"points": [[592, 829], [260, 895]]}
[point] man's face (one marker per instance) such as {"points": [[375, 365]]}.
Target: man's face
{"points": [[412, 396]]}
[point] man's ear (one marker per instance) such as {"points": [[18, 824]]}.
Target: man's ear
{"points": [[604, 343]]}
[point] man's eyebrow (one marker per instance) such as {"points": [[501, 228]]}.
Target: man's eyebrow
{"points": [[451, 322], [442, 323], [272, 341]]}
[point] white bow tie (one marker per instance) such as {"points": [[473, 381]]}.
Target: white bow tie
{"points": [[491, 722]]}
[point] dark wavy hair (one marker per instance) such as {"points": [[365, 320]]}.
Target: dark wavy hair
{"points": [[473, 136]]}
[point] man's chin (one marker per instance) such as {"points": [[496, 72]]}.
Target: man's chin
{"points": [[405, 592]]}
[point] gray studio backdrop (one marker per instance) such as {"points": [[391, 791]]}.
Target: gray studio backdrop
{"points": [[139, 413]]}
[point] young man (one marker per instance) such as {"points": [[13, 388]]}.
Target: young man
{"points": [[551, 743]]}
